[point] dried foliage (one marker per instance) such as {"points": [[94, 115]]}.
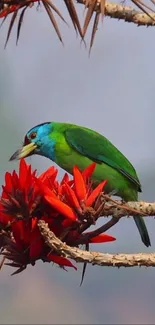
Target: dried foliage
{"points": [[94, 10]]}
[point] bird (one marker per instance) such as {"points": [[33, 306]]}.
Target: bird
{"points": [[68, 145]]}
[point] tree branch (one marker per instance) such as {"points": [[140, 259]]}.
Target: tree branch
{"points": [[80, 256], [119, 209], [128, 14], [145, 17], [116, 209]]}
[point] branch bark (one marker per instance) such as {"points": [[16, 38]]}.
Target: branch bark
{"points": [[80, 256], [119, 209], [128, 14]]}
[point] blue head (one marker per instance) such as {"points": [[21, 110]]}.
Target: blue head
{"points": [[37, 141]]}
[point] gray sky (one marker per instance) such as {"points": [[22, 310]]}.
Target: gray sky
{"points": [[114, 93]]}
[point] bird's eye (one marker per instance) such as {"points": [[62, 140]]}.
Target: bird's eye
{"points": [[33, 135]]}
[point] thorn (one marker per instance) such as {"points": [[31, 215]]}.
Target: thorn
{"points": [[84, 267]]}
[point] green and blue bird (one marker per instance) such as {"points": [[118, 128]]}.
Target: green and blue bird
{"points": [[69, 145]]}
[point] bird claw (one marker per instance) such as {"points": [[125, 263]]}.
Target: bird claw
{"points": [[113, 192]]}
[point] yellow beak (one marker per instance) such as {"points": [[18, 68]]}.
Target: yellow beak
{"points": [[24, 151]]}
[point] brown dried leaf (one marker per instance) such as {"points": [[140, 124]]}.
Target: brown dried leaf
{"points": [[20, 24], [102, 8], [21, 269], [95, 25], [13, 264], [87, 3], [73, 15], [53, 21], [56, 10], [90, 11], [10, 27]]}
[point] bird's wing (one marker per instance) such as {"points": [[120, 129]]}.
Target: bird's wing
{"points": [[99, 149]]}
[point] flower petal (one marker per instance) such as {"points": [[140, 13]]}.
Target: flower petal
{"points": [[73, 201], [79, 183], [23, 168], [15, 180], [63, 208], [26, 176], [18, 233], [28, 182], [98, 190], [44, 189], [103, 238], [9, 10], [51, 173], [62, 261], [88, 172], [8, 182], [67, 223], [65, 179], [36, 244], [4, 218], [34, 223]]}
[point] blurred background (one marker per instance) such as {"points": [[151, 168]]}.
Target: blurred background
{"points": [[112, 92]]}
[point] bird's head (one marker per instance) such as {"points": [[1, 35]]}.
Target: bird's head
{"points": [[37, 141]]}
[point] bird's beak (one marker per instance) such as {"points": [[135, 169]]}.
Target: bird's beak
{"points": [[24, 152]]}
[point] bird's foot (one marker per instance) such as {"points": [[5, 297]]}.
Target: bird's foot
{"points": [[113, 192]]}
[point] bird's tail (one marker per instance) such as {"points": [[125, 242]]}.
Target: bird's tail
{"points": [[140, 223]]}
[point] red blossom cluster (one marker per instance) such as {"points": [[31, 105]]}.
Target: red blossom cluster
{"points": [[68, 207]]}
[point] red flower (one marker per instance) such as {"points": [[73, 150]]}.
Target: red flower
{"points": [[8, 10], [65, 206]]}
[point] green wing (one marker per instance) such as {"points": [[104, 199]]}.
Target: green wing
{"points": [[99, 149]]}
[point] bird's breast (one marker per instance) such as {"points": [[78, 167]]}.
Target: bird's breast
{"points": [[66, 157]]}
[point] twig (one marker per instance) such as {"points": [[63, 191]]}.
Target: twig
{"points": [[130, 15], [87, 237], [145, 17], [118, 209], [80, 256]]}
